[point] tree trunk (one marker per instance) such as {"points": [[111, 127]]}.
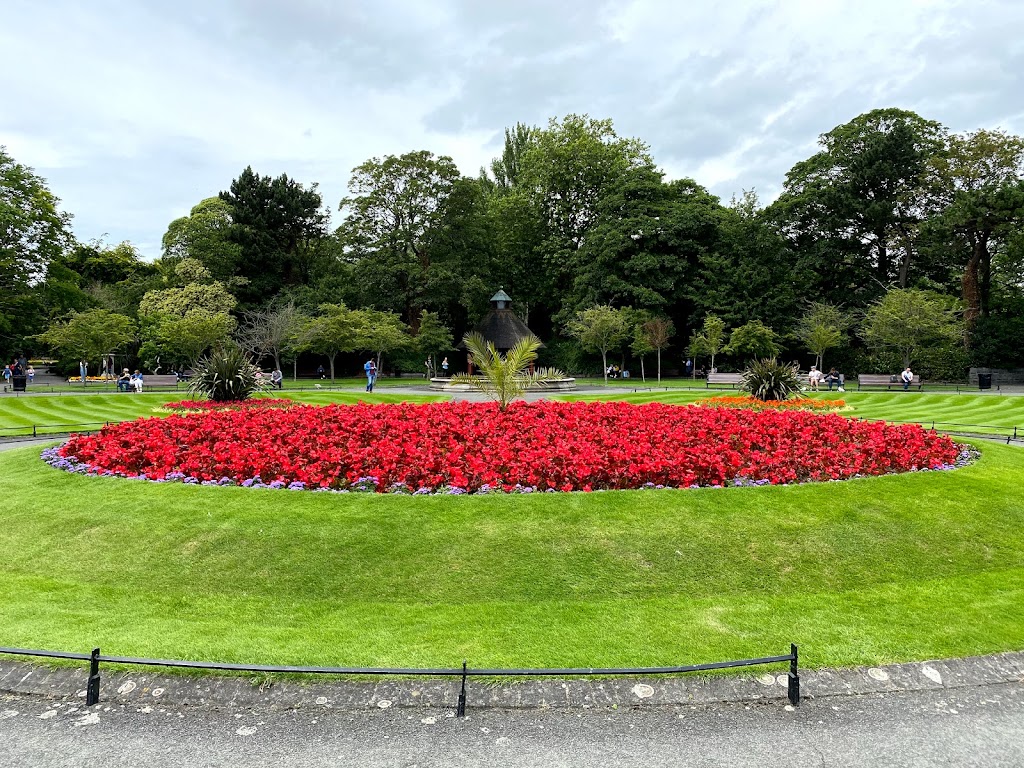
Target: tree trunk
{"points": [[659, 365], [643, 374], [604, 366], [332, 366], [970, 282], [295, 369]]}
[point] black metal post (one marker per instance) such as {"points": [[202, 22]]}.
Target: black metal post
{"points": [[793, 689], [33, 430], [460, 710], [92, 690]]}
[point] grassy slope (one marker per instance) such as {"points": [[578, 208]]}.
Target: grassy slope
{"points": [[17, 414], [946, 410], [863, 572]]}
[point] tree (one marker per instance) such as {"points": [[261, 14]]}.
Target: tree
{"points": [[656, 332], [504, 377], [978, 183], [710, 340], [182, 339], [753, 340], [855, 204], [600, 329], [505, 170], [89, 335], [909, 320], [379, 332], [642, 249], [394, 205], [433, 338], [640, 345], [821, 328], [564, 174], [206, 236], [34, 233], [276, 223], [269, 331], [334, 330]]}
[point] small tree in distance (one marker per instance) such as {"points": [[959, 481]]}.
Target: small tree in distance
{"points": [[823, 327], [657, 331], [710, 340], [600, 329], [909, 320]]}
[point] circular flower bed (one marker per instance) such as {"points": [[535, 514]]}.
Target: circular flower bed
{"points": [[796, 404], [476, 448]]}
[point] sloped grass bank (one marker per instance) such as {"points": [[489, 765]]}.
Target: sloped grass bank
{"points": [[88, 412], [861, 572]]}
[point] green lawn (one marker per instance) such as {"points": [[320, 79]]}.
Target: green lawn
{"points": [[983, 414], [59, 413], [861, 572]]}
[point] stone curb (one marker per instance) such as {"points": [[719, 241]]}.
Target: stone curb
{"points": [[139, 688]]}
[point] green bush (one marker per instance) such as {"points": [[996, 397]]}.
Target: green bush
{"points": [[947, 363], [227, 374], [769, 379]]}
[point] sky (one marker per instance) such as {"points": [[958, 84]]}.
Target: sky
{"points": [[135, 110]]}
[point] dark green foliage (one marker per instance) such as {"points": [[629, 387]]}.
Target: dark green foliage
{"points": [[768, 379], [224, 375], [276, 222]]}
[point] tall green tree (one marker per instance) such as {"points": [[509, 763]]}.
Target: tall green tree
{"points": [[753, 340], [394, 205], [978, 184], [432, 338], [33, 233], [852, 207], [206, 236], [276, 222]]}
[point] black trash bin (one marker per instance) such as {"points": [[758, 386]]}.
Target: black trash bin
{"points": [[19, 383], [984, 381]]}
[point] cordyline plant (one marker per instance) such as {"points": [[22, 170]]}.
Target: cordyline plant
{"points": [[771, 380], [504, 377], [226, 374]]}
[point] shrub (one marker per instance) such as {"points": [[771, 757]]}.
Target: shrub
{"points": [[227, 374], [769, 379]]}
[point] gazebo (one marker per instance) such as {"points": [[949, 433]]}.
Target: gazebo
{"points": [[501, 327]]}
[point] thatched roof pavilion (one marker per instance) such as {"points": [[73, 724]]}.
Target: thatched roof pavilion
{"points": [[501, 326]]}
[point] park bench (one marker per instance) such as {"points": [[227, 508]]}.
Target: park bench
{"points": [[884, 380], [728, 379], [150, 380]]}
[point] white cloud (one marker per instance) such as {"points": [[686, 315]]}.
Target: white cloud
{"points": [[135, 111]]}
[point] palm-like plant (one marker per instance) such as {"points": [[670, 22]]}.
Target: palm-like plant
{"points": [[504, 377], [227, 374], [771, 380]]}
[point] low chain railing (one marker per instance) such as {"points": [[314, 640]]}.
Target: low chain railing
{"points": [[92, 691]]}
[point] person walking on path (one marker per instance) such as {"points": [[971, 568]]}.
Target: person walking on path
{"points": [[83, 369], [277, 379], [908, 378], [444, 368], [31, 373], [320, 372], [370, 368]]}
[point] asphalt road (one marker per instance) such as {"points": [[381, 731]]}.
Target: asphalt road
{"points": [[981, 726]]}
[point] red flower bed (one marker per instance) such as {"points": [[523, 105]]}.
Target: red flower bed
{"points": [[477, 448]]}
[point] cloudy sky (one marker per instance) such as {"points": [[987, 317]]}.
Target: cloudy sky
{"points": [[134, 110]]}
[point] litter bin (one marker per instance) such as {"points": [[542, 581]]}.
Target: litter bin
{"points": [[19, 383], [984, 381]]}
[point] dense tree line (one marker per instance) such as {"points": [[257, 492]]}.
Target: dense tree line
{"points": [[893, 213]]}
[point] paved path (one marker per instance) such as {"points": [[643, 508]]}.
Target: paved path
{"points": [[969, 727]]}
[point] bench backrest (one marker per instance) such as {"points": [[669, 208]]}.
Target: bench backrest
{"points": [[881, 378], [725, 378], [158, 379]]}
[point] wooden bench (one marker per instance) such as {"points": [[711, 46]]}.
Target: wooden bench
{"points": [[884, 380], [729, 379], [155, 380]]}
